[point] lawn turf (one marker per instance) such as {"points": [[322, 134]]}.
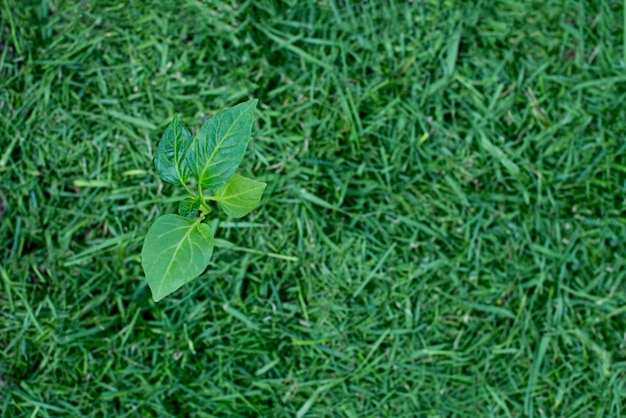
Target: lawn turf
{"points": [[442, 235]]}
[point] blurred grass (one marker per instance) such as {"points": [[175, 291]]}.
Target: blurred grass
{"points": [[450, 175]]}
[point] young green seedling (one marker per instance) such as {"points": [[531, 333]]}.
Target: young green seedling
{"points": [[178, 248]]}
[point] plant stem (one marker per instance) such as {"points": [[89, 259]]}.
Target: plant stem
{"points": [[189, 190], [203, 202]]}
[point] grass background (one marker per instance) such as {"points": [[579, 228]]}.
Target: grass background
{"points": [[449, 175]]}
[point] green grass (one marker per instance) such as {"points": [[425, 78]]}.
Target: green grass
{"points": [[449, 176]]}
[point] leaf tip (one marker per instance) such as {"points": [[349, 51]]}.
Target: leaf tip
{"points": [[252, 103]]}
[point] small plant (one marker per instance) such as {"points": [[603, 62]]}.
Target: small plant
{"points": [[178, 248]]}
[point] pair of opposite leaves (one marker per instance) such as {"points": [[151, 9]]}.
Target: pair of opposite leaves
{"points": [[178, 248]]}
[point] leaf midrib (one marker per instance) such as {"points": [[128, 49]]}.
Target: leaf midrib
{"points": [[178, 247], [176, 154], [233, 196], [219, 144]]}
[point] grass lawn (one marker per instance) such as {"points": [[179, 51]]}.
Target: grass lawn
{"points": [[442, 235]]}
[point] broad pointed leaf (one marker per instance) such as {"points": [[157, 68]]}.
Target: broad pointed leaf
{"points": [[170, 160], [239, 195], [188, 208], [219, 147], [176, 251]]}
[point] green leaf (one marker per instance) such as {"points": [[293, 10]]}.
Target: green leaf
{"points": [[188, 208], [219, 147], [170, 160], [176, 251], [239, 195]]}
